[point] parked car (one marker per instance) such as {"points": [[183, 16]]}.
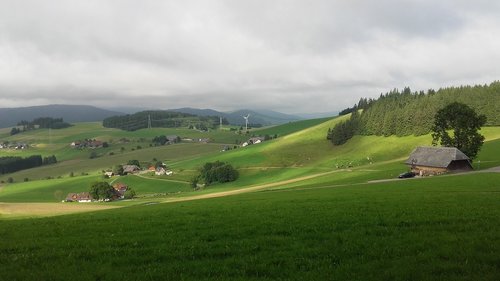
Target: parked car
{"points": [[406, 175]]}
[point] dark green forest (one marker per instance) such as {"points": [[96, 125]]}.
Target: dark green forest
{"points": [[159, 119], [403, 113], [10, 164]]}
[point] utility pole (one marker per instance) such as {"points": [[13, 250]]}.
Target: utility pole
{"points": [[220, 122], [149, 121]]}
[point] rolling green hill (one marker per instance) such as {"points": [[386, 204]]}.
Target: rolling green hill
{"points": [[302, 151], [302, 209], [431, 229]]}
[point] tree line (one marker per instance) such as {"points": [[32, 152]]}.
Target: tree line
{"points": [[40, 123], [158, 119], [11, 164], [403, 113]]}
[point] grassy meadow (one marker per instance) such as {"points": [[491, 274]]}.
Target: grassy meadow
{"points": [[442, 228], [302, 209], [299, 153]]}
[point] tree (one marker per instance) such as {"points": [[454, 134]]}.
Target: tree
{"points": [[118, 170], [129, 194], [101, 190], [217, 172], [14, 131], [134, 162], [464, 122]]}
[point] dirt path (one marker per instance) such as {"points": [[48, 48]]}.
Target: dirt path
{"points": [[489, 170], [248, 189]]}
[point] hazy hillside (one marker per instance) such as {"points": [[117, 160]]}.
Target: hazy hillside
{"points": [[70, 113], [263, 117]]}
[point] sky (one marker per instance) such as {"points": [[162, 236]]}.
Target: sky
{"points": [[285, 55]]}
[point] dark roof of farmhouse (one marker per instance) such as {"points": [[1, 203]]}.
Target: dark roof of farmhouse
{"points": [[439, 157]]}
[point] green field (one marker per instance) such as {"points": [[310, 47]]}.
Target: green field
{"points": [[302, 209], [299, 153], [443, 228]]}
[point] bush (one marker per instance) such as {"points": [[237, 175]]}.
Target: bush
{"points": [[10, 180], [218, 172], [130, 193]]}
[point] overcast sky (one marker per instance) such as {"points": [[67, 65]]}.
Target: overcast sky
{"points": [[290, 56]]}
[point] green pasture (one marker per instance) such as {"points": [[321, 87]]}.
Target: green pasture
{"points": [[441, 228], [169, 153], [299, 154], [156, 185], [53, 190], [288, 128]]}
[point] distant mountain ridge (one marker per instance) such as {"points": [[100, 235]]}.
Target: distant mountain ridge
{"points": [[70, 113], [264, 117]]}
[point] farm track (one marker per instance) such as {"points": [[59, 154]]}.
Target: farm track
{"points": [[247, 189]]}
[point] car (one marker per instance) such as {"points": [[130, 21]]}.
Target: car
{"points": [[406, 175]]}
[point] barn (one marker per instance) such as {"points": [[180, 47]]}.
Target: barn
{"points": [[426, 160]]}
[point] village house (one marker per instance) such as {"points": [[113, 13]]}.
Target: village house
{"points": [[109, 174], [130, 169], [173, 139], [426, 161], [82, 197], [160, 171], [120, 189], [253, 140]]}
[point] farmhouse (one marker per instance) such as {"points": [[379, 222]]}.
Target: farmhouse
{"points": [[120, 190], [437, 160], [79, 197], [173, 139], [87, 143], [254, 140], [130, 169]]}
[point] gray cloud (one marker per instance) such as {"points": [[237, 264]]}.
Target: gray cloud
{"points": [[294, 56]]}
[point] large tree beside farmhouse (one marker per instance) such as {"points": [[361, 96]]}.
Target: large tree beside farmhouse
{"points": [[101, 190], [465, 124]]}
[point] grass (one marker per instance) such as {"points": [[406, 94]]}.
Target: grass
{"points": [[443, 228], [154, 185], [298, 154], [289, 128], [53, 190], [170, 153]]}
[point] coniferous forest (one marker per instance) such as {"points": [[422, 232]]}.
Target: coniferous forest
{"points": [[403, 113]]}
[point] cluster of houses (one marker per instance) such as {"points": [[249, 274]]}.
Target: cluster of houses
{"points": [[7, 145], [200, 140], [119, 190], [160, 171], [134, 169], [87, 143]]}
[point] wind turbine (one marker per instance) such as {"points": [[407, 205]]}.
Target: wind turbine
{"points": [[246, 121]]}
